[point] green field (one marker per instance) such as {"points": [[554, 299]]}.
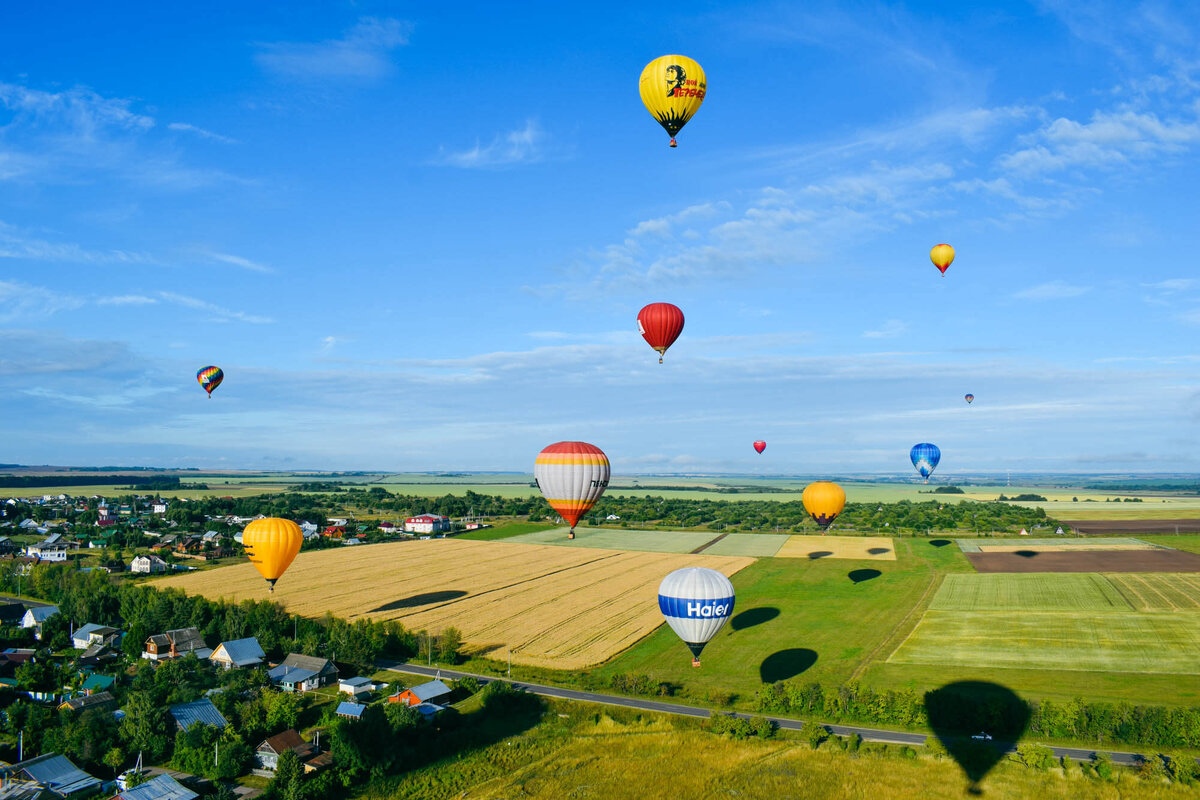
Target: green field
{"points": [[1008, 592], [621, 539], [755, 545], [1164, 592]]}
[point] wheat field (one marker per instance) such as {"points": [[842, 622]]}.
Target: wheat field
{"points": [[558, 607], [870, 548]]}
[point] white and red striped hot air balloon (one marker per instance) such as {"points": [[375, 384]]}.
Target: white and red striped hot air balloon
{"points": [[572, 477]]}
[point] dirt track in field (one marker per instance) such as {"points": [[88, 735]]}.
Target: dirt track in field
{"points": [[1087, 561], [1110, 526]]}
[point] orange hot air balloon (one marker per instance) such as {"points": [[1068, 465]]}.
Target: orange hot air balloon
{"points": [[942, 256], [823, 500], [271, 544]]}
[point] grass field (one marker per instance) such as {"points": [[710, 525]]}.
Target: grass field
{"points": [[621, 539], [1029, 592], [870, 548], [558, 607], [756, 545]]}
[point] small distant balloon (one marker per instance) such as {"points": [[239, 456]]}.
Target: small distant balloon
{"points": [[660, 325], [760, 445], [942, 256], [925, 458], [672, 89], [210, 378], [696, 602], [970, 398], [823, 500]]}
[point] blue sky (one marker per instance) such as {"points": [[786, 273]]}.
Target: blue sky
{"points": [[416, 236]]}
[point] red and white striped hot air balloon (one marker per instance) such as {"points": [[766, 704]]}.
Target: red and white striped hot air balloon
{"points": [[572, 477]]}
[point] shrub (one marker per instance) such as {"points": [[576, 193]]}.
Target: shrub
{"points": [[1103, 765]]}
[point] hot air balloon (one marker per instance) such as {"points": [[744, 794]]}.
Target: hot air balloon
{"points": [[572, 476], [760, 445], [970, 398], [660, 325], [672, 88], [925, 458], [696, 602], [210, 378], [942, 256], [271, 544], [823, 500]]}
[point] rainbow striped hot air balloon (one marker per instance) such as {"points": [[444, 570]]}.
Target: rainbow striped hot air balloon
{"points": [[572, 477], [210, 378]]}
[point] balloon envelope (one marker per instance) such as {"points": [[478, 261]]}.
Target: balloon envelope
{"points": [[970, 398], [760, 445], [942, 255], [572, 477], [672, 89], [210, 378], [696, 602], [271, 544], [823, 500], [660, 325], [925, 458]]}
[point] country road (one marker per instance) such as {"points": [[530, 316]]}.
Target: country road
{"points": [[868, 734]]}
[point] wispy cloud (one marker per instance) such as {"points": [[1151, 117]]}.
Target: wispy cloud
{"points": [[201, 132], [888, 330], [21, 301], [1109, 139], [215, 312], [17, 244], [126, 300], [363, 51], [238, 261], [1173, 285], [1053, 290], [523, 145]]}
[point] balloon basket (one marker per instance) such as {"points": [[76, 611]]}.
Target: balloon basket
{"points": [[673, 142], [695, 662]]}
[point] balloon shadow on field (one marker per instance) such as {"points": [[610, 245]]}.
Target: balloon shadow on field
{"points": [[939, 542], [819, 554], [977, 722], [417, 600], [860, 575], [753, 616], [878, 551], [786, 664], [1025, 553]]}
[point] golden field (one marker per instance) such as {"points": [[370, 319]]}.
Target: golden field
{"points": [[870, 548], [557, 607]]}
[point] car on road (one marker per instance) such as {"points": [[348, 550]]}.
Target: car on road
{"points": [[987, 737]]}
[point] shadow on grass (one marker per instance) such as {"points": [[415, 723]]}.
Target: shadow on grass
{"points": [[753, 616], [878, 551], [424, 599], [819, 554], [939, 542], [976, 721], [860, 575], [786, 664]]}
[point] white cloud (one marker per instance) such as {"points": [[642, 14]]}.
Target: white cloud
{"points": [[363, 51], [201, 132], [1172, 285], [1109, 139], [20, 300], [1053, 290], [126, 300], [215, 312], [523, 145], [888, 330], [18, 245], [238, 261]]}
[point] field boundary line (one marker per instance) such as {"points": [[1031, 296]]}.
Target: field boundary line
{"points": [[707, 545], [935, 581]]}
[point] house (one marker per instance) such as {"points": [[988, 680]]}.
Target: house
{"points": [[11, 613], [176, 643], [148, 564], [298, 673], [52, 771], [158, 507], [425, 693], [350, 710], [91, 634], [239, 653], [47, 552], [7, 546], [308, 529], [334, 532], [98, 683], [12, 658], [211, 537], [160, 787], [36, 616], [426, 523], [201, 712], [340, 522], [387, 527], [268, 752], [103, 701], [355, 686], [475, 526]]}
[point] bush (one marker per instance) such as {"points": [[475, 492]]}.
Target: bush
{"points": [[816, 734], [907, 752], [854, 742], [1183, 769], [1103, 765]]}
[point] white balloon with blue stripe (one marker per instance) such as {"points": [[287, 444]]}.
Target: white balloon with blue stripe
{"points": [[696, 602]]}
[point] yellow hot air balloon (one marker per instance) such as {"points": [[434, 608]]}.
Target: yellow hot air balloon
{"points": [[942, 255], [271, 544], [672, 88], [823, 500]]}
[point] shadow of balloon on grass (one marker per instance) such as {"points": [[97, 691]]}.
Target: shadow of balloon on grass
{"points": [[860, 575], [418, 600], [815, 554], [976, 721], [878, 551], [785, 664], [753, 616], [939, 542]]}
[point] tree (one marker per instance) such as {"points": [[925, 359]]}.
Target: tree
{"points": [[288, 783], [816, 734], [146, 727], [448, 644], [114, 758]]}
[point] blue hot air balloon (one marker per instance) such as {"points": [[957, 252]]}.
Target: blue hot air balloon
{"points": [[925, 458], [696, 603]]}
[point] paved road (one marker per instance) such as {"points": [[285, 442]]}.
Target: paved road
{"points": [[868, 734]]}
